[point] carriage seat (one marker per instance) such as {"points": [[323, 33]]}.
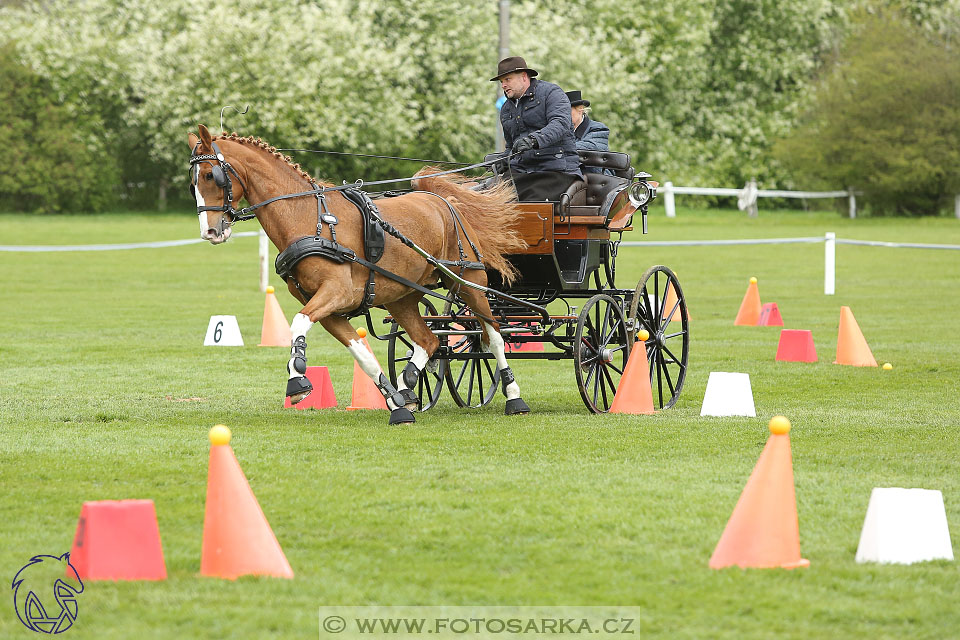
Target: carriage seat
{"points": [[619, 163], [599, 185]]}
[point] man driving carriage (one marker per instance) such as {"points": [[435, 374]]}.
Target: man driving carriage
{"points": [[538, 129]]}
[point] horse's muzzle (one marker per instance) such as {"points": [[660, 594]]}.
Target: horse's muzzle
{"points": [[218, 233], [213, 237]]}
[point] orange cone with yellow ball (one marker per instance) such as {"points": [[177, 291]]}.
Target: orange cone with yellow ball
{"points": [[365, 394], [750, 307], [852, 347], [763, 532], [237, 539], [634, 394], [276, 329]]}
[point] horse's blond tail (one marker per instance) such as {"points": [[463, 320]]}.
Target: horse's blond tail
{"points": [[493, 214]]}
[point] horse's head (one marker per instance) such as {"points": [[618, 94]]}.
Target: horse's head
{"points": [[212, 186]]}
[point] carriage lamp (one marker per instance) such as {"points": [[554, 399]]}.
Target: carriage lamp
{"points": [[641, 193]]}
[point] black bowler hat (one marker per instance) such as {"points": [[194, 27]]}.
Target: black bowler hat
{"points": [[576, 99], [509, 65]]}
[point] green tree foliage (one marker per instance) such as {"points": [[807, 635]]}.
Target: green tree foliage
{"points": [[51, 161], [885, 119], [696, 91]]}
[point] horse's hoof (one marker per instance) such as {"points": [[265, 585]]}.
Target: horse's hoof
{"points": [[516, 407], [401, 415], [298, 388]]}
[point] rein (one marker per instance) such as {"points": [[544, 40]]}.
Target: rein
{"points": [[371, 155], [245, 213]]}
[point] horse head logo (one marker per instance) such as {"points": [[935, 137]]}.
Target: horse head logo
{"points": [[33, 586]]}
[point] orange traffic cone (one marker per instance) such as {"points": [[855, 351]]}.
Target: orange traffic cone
{"points": [[237, 539], [763, 531], [770, 316], [365, 394], [852, 347], [514, 347], [749, 313], [118, 540], [276, 329], [322, 396], [672, 300], [634, 394]]}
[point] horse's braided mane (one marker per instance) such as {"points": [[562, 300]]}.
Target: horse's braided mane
{"points": [[257, 142]]}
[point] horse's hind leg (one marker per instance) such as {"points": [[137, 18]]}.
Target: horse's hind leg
{"points": [[407, 314], [493, 343], [340, 329]]}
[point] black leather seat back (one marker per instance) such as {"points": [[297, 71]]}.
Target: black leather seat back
{"points": [[614, 160], [599, 185]]}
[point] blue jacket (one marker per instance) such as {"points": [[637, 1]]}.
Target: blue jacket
{"points": [[593, 136], [543, 112]]}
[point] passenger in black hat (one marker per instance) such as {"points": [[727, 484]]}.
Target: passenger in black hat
{"points": [[537, 128], [590, 134]]}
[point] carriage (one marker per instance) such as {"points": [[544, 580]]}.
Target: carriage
{"points": [[566, 306]]}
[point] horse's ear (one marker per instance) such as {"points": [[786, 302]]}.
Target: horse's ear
{"points": [[206, 137], [193, 140]]}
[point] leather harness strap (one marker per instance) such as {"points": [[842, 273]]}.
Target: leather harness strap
{"points": [[373, 226]]}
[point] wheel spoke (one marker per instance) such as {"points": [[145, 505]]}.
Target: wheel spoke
{"points": [[666, 374], [672, 357], [596, 384], [659, 380], [613, 388], [473, 369]]}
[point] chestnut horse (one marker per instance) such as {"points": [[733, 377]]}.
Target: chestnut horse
{"points": [[226, 168]]}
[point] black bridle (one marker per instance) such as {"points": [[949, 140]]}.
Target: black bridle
{"points": [[221, 177]]}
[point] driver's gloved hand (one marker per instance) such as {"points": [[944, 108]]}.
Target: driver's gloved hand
{"points": [[524, 144]]}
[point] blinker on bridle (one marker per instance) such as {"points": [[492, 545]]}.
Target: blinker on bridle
{"points": [[221, 177]]}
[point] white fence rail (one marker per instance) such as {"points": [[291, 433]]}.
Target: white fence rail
{"points": [[829, 240], [748, 195]]}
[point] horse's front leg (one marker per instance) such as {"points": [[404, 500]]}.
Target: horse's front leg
{"points": [[325, 301], [298, 387], [340, 329]]}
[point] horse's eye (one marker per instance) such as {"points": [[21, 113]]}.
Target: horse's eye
{"points": [[208, 176]]}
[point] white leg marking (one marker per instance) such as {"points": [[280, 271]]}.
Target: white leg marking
{"points": [[419, 359], [496, 347], [300, 325], [368, 362]]}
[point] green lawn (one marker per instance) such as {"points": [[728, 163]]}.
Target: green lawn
{"points": [[100, 350]]}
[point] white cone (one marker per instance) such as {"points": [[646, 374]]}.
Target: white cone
{"points": [[728, 394], [223, 331], [904, 526]]}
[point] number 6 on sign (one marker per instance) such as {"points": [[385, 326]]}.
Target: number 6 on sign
{"points": [[223, 331]]}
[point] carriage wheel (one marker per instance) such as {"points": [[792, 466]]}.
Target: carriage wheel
{"points": [[600, 351], [399, 352], [472, 380], [659, 307]]}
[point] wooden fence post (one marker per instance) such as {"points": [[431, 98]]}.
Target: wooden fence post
{"points": [[852, 199]]}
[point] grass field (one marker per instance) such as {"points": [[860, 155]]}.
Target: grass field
{"points": [[107, 393]]}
